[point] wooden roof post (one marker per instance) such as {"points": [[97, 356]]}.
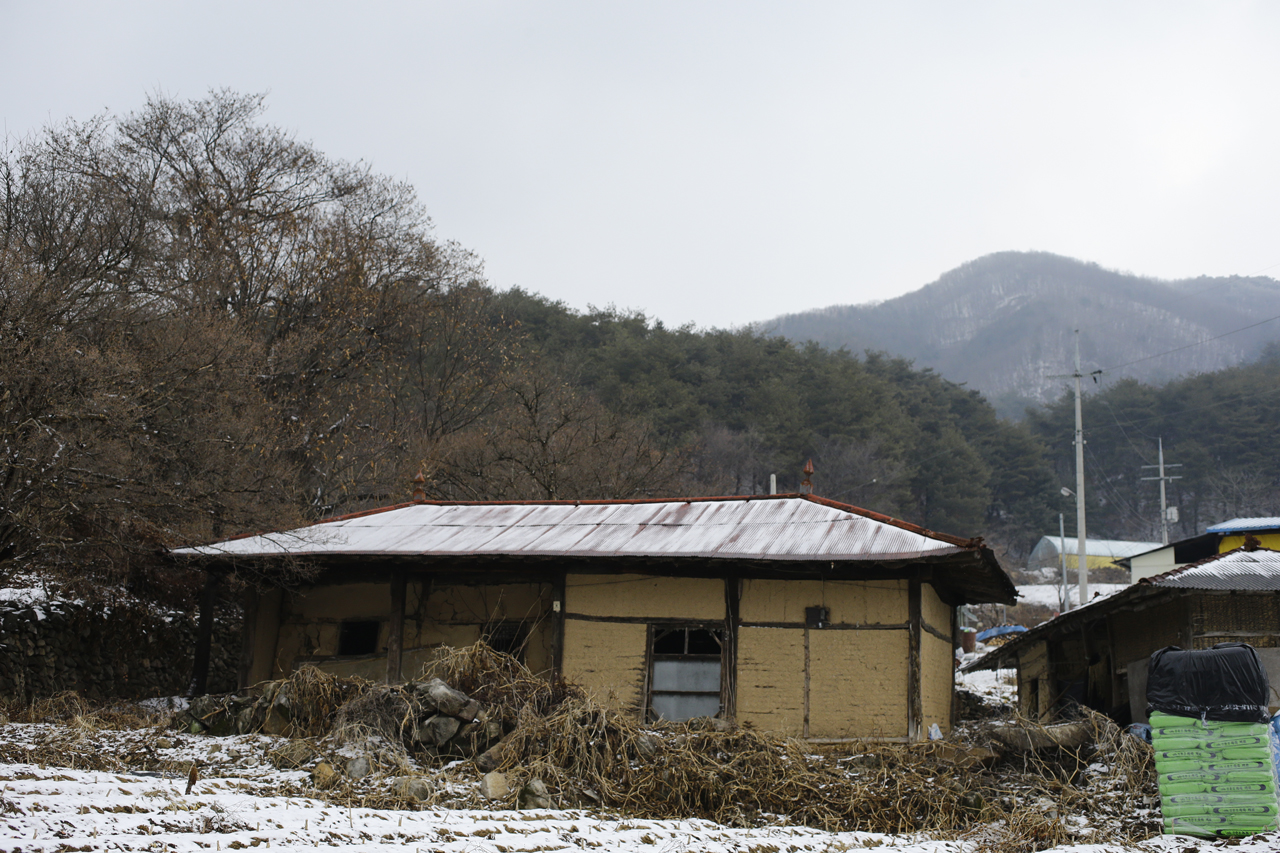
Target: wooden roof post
{"points": [[204, 636], [395, 630], [915, 707]]}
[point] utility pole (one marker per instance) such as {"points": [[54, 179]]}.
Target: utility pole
{"points": [[1082, 567], [1164, 508], [1062, 564]]}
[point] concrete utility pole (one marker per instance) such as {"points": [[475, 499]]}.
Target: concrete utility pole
{"points": [[1164, 508], [1062, 564], [1082, 566]]}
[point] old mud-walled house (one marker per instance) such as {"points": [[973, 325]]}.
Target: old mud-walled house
{"points": [[795, 613], [1097, 655]]}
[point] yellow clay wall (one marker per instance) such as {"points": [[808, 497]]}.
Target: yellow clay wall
{"points": [[858, 684], [642, 596], [608, 659], [771, 678], [850, 602]]}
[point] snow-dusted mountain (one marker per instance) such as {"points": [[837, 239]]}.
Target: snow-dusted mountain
{"points": [[1004, 324]]}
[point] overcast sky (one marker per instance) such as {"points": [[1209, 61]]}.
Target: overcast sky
{"points": [[720, 163]]}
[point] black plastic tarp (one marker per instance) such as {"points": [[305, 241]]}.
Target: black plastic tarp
{"points": [[1227, 683]]}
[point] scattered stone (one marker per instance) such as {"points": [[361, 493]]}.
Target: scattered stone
{"points": [[446, 700], [357, 768], [491, 759], [415, 788], [213, 749], [277, 722], [647, 746], [534, 795], [437, 730], [323, 776], [494, 786], [164, 743]]}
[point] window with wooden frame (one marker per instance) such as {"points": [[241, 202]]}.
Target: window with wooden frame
{"points": [[507, 637], [685, 670]]}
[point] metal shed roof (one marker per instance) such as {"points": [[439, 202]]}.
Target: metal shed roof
{"points": [[782, 527], [1244, 525]]}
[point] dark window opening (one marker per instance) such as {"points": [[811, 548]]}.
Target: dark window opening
{"points": [[685, 677], [507, 637], [358, 638]]}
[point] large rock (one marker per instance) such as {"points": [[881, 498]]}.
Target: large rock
{"points": [[437, 730], [324, 776], [416, 788], [446, 700], [534, 795], [494, 786], [357, 768]]}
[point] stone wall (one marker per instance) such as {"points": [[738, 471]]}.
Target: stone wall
{"points": [[125, 651]]}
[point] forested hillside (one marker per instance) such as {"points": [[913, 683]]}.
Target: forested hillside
{"points": [[1220, 427], [1004, 324], [209, 327]]}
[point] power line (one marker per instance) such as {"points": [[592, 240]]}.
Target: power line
{"points": [[1189, 346]]}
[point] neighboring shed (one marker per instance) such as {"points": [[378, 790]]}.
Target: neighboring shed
{"points": [[795, 613], [1217, 539], [1099, 553], [1097, 655]]}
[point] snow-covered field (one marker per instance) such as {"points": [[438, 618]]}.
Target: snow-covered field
{"points": [[244, 801], [1049, 595]]}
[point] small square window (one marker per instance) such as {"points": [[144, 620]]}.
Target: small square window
{"points": [[358, 638]]}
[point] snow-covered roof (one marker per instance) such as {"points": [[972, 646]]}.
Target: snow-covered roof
{"points": [[1114, 548], [781, 527], [1239, 569], [1244, 525]]}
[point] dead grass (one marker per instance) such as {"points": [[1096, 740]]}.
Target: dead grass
{"points": [[591, 756]]}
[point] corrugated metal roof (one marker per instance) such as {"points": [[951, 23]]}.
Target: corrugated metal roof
{"points": [[1237, 570], [1244, 525], [782, 527]]}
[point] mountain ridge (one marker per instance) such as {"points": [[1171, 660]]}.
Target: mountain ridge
{"points": [[1004, 324]]}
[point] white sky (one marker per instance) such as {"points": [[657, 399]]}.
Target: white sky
{"points": [[724, 162]]}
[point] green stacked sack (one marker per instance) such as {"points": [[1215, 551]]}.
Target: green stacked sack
{"points": [[1216, 778]]}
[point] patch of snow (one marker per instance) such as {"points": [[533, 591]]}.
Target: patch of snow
{"points": [[1047, 594]]}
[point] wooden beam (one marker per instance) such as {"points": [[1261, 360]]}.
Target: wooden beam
{"points": [[248, 637], [395, 630], [807, 680], [558, 607], [204, 636], [729, 661], [915, 707]]}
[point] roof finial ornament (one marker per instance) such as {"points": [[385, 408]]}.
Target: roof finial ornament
{"points": [[419, 487], [806, 485], [1251, 543]]}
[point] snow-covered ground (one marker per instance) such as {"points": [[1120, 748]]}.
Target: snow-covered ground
{"points": [[244, 801], [1049, 594], [995, 686]]}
